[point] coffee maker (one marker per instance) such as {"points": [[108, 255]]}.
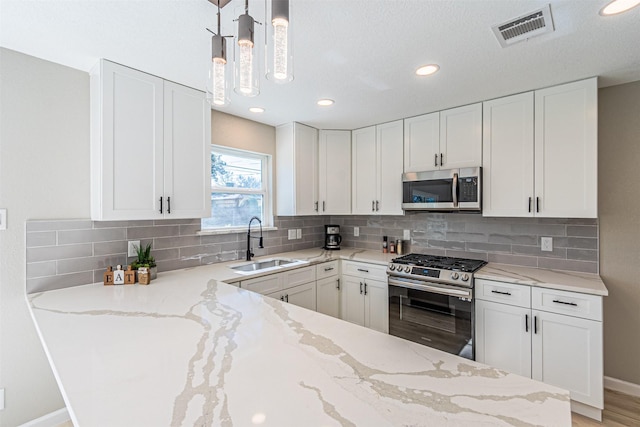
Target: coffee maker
{"points": [[332, 237]]}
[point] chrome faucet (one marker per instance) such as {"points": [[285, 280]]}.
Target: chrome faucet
{"points": [[249, 253]]}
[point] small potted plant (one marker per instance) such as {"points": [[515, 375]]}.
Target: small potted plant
{"points": [[145, 260]]}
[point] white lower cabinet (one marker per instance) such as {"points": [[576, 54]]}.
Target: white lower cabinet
{"points": [[365, 295], [301, 295], [549, 335], [328, 289]]}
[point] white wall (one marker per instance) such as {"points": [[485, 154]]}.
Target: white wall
{"points": [[44, 173]]}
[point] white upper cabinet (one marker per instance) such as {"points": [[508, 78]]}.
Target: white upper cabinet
{"points": [[508, 156], [461, 137], [566, 150], [377, 169], [297, 170], [334, 172], [137, 123], [540, 153], [422, 143]]}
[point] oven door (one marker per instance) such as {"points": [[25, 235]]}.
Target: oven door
{"points": [[436, 315], [435, 190]]}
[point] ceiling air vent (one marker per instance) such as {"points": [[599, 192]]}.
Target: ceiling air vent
{"points": [[524, 27]]}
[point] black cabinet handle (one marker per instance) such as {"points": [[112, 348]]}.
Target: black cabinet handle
{"points": [[282, 298], [328, 269], [440, 159], [160, 204], [537, 204], [315, 206], [168, 205], [365, 288], [338, 284], [363, 270], [377, 206], [530, 204], [360, 287], [535, 324], [286, 297], [436, 160], [373, 206], [526, 323], [323, 206], [501, 293], [565, 303]]}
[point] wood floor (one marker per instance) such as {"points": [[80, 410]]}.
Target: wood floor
{"points": [[619, 410]]}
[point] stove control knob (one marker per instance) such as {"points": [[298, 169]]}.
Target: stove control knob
{"points": [[407, 269], [392, 267], [454, 276], [465, 277]]}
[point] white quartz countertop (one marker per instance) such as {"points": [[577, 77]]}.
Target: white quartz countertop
{"points": [[191, 350], [555, 279]]}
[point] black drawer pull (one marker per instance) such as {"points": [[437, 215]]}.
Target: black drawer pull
{"points": [[168, 205], [565, 303], [500, 292], [160, 204], [328, 269], [526, 323], [363, 270]]}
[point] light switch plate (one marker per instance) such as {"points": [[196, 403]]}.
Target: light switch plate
{"points": [[546, 244], [356, 231], [291, 234], [131, 248], [406, 235], [299, 233], [3, 219]]}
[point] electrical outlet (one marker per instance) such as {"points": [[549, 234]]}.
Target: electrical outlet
{"points": [[546, 244], [291, 234], [131, 248], [356, 231], [3, 219], [299, 233], [406, 235]]}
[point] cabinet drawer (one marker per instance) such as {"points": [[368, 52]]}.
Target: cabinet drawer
{"points": [[505, 293], [263, 285], [298, 276], [327, 269], [364, 270], [569, 303]]}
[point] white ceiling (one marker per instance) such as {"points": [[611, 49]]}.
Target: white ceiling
{"points": [[362, 53]]}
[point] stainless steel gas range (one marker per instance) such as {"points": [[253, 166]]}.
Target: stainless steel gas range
{"points": [[431, 301]]}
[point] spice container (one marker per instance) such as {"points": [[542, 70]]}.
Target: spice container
{"points": [[385, 244], [399, 248], [392, 247]]}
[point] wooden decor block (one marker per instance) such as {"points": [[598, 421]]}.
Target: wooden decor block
{"points": [[129, 276], [118, 276], [144, 276], [108, 277]]}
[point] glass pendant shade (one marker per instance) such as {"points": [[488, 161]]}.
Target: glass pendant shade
{"points": [[279, 37], [246, 75], [218, 92]]}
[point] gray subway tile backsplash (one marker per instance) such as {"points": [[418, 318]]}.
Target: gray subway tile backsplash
{"points": [[66, 253]]}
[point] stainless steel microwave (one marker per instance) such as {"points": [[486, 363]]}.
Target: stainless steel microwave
{"points": [[443, 190]]}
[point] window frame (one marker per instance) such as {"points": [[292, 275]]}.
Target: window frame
{"points": [[266, 190]]}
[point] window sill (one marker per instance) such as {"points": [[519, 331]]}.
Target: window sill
{"points": [[235, 230]]}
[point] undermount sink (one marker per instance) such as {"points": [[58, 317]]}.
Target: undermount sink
{"points": [[264, 264]]}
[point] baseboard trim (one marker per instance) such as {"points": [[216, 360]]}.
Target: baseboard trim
{"points": [[622, 386], [586, 410], [51, 419]]}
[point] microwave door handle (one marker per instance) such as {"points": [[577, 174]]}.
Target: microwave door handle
{"points": [[454, 190]]}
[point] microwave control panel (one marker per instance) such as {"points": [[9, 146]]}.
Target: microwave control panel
{"points": [[468, 189]]}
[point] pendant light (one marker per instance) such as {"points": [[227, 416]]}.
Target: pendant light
{"points": [[247, 80], [279, 43], [218, 91]]}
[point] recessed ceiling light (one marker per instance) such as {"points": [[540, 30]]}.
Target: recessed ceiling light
{"points": [[325, 102], [427, 70], [618, 6], [256, 110]]}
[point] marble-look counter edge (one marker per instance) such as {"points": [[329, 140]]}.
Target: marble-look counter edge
{"points": [[586, 283]]}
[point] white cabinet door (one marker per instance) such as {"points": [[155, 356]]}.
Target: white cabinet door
{"points": [[353, 300], [187, 157], [376, 314], [461, 137], [302, 295], [266, 285], [567, 352], [566, 149], [390, 166], [328, 296], [507, 156], [297, 169], [334, 172], [503, 337], [422, 143], [363, 171], [126, 143]]}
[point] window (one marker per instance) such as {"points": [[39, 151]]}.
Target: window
{"points": [[240, 182]]}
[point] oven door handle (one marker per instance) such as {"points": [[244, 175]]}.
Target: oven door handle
{"points": [[422, 286]]}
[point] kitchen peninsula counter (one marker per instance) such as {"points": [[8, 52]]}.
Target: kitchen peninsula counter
{"points": [[190, 349]]}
